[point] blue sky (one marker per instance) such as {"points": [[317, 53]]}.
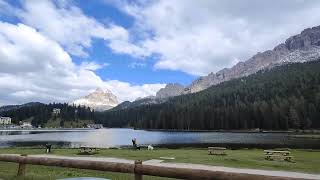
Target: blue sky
{"points": [[60, 50]]}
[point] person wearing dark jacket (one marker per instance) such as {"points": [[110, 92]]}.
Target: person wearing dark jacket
{"points": [[134, 144], [48, 148]]}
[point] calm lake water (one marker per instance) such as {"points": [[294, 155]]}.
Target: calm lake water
{"points": [[122, 137]]}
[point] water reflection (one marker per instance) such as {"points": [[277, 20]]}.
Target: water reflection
{"points": [[122, 137]]}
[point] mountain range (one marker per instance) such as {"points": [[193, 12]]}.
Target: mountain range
{"points": [[299, 48]]}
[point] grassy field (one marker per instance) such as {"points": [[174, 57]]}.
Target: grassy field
{"points": [[305, 161]]}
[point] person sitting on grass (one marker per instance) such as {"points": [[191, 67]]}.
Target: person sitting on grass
{"points": [[134, 144]]}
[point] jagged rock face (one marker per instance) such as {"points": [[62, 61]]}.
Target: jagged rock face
{"points": [[172, 89], [308, 37], [299, 48], [99, 100]]}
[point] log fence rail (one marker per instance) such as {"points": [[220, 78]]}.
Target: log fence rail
{"points": [[138, 169]]}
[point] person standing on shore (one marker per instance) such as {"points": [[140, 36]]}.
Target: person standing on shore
{"points": [[134, 144]]}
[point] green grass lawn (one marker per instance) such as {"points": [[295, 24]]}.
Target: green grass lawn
{"points": [[305, 161]]}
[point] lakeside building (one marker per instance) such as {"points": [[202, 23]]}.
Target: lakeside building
{"points": [[5, 120], [26, 125], [95, 126], [56, 111]]}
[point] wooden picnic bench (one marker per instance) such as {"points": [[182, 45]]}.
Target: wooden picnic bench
{"points": [[217, 150], [88, 149], [282, 155]]}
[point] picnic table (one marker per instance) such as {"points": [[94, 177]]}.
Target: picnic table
{"points": [[88, 149], [283, 155], [217, 150]]}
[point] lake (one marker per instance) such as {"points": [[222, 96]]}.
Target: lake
{"points": [[122, 137]]}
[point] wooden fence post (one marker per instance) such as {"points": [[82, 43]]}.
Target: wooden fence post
{"points": [[137, 164], [22, 167]]}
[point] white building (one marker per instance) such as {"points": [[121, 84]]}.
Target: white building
{"points": [[56, 111], [26, 125], [5, 120]]}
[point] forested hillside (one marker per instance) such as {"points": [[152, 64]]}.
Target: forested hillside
{"points": [[281, 98], [39, 113]]}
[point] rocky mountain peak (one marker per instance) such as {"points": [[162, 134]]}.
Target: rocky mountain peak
{"points": [[308, 37], [99, 90], [171, 89], [99, 100]]}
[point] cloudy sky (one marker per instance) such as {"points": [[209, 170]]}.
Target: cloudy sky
{"points": [[61, 50]]}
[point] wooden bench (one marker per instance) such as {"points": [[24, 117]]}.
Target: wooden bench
{"points": [[88, 150], [217, 150], [281, 155], [271, 152]]}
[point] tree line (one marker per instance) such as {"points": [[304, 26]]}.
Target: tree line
{"points": [[39, 113], [281, 98]]}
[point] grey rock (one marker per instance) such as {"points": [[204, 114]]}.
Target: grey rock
{"points": [[172, 89]]}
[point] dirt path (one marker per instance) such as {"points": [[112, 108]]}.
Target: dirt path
{"points": [[157, 162]]}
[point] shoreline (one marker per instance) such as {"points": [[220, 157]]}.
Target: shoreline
{"points": [[47, 129], [233, 146], [291, 131]]}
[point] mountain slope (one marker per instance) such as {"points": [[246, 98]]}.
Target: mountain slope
{"points": [[12, 107], [283, 97], [171, 90], [299, 48], [99, 100]]}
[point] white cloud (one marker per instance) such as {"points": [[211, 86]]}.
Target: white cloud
{"points": [[198, 37], [34, 67], [67, 25], [126, 47], [92, 66], [184, 35]]}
